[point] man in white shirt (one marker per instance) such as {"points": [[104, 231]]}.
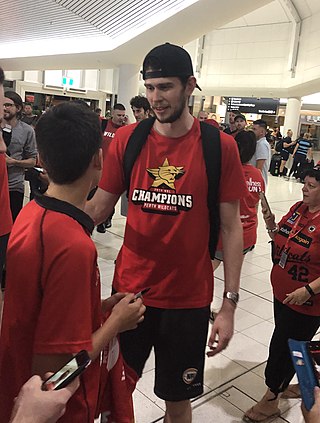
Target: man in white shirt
{"points": [[262, 156]]}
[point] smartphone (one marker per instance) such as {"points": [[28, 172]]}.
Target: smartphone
{"points": [[140, 294], [68, 372], [306, 360], [264, 202]]}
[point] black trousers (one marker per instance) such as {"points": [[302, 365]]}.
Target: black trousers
{"points": [[288, 324], [297, 161], [16, 203]]}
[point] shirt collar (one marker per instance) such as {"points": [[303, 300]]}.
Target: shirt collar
{"points": [[60, 206]]}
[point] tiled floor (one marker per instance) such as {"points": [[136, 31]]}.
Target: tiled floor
{"points": [[233, 379]]}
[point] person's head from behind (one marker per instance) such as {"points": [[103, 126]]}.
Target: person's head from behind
{"points": [[98, 111], [240, 122], [169, 81], [140, 107], [259, 127], [69, 140], [27, 108], [118, 114], [247, 143], [202, 115], [13, 105]]}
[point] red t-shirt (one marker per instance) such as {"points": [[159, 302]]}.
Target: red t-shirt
{"points": [[5, 213], [108, 135], [167, 232], [248, 204], [303, 263], [52, 301]]}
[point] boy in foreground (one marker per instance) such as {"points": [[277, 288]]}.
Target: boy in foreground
{"points": [[52, 306]]}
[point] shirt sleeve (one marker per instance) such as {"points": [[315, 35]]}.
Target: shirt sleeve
{"points": [[262, 151], [232, 182], [65, 320], [30, 149]]}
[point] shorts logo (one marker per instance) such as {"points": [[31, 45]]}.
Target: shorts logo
{"points": [[311, 228], [189, 375]]}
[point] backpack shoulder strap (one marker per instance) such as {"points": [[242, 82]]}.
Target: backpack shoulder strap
{"points": [[134, 146], [211, 145], [104, 123]]}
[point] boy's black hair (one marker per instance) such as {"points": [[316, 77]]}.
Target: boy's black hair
{"points": [[313, 173], [247, 144], [68, 136], [140, 102]]}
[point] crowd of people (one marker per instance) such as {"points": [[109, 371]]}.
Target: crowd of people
{"points": [[180, 216]]}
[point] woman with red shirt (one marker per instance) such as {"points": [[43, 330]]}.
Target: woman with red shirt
{"points": [[296, 287]]}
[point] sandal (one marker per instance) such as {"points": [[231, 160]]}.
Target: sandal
{"points": [[260, 417], [292, 392]]}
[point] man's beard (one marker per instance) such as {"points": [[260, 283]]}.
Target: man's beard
{"points": [[176, 114]]}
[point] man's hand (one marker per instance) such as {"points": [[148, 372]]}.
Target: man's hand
{"points": [[108, 304], [128, 312], [313, 416], [297, 297], [36, 406], [222, 330], [10, 161]]}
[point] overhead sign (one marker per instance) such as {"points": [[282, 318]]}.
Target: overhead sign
{"points": [[262, 106]]}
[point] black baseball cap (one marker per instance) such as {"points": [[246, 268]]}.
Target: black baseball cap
{"points": [[167, 60], [240, 116]]}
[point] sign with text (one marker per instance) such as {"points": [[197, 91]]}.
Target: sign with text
{"points": [[261, 106]]}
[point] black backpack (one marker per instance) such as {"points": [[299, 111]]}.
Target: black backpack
{"points": [[212, 155], [279, 146]]}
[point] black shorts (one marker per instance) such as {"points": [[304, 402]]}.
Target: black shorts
{"points": [[284, 155], [179, 338]]}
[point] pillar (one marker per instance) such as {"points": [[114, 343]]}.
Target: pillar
{"points": [[292, 117], [128, 86]]}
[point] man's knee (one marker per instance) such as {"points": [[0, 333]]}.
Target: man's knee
{"points": [[178, 409]]}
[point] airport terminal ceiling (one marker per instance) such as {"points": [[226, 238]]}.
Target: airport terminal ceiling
{"points": [[74, 34]]}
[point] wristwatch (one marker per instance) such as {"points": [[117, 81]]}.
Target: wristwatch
{"points": [[233, 296]]}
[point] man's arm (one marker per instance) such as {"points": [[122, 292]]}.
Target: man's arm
{"points": [[232, 239], [25, 163], [101, 205], [260, 164], [125, 315]]}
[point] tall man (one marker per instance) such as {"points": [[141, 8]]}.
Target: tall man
{"points": [[5, 213], [140, 107], [21, 152], [262, 156], [240, 122], [232, 126], [167, 250], [109, 128]]}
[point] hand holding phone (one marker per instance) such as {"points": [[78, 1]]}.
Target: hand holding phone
{"points": [[68, 372]]}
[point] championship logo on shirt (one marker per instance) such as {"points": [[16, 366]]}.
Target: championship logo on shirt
{"points": [[293, 218], [311, 228], [161, 197]]}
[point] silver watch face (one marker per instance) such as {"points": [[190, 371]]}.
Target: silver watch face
{"points": [[233, 296]]}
